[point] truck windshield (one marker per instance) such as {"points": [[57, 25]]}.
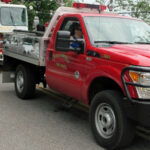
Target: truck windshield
{"points": [[12, 16], [116, 30]]}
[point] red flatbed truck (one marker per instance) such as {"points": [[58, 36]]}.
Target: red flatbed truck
{"points": [[109, 72]]}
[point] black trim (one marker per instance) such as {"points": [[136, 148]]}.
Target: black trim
{"points": [[125, 83], [93, 53], [50, 55], [139, 112]]}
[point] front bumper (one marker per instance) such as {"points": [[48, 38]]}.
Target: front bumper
{"points": [[137, 111]]}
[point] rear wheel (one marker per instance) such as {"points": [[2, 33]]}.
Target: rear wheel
{"points": [[24, 82], [109, 124]]}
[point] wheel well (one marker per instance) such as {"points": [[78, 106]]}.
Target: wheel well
{"points": [[10, 64], [100, 84]]}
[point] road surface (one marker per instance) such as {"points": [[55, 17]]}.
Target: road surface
{"points": [[41, 124]]}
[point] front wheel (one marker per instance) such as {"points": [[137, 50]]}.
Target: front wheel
{"points": [[24, 82], [109, 124]]}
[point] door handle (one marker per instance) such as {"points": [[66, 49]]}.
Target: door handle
{"points": [[50, 55]]}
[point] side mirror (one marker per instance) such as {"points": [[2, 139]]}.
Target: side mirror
{"points": [[62, 41]]}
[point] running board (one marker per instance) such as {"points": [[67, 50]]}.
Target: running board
{"points": [[69, 103]]}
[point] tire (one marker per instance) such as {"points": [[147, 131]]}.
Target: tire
{"points": [[110, 127], [24, 82]]}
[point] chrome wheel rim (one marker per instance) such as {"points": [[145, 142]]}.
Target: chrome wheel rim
{"points": [[105, 120], [20, 81]]}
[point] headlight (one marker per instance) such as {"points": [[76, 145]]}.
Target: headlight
{"points": [[143, 79]]}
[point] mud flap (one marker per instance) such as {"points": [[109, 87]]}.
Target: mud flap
{"points": [[1, 68]]}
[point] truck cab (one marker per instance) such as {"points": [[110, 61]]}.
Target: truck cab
{"points": [[13, 17]]}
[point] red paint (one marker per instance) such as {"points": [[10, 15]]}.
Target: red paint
{"points": [[46, 24], [7, 1]]}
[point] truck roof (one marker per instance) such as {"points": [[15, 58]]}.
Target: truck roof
{"points": [[89, 12], [107, 14]]}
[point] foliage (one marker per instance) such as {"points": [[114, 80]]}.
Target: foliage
{"points": [[135, 8], [142, 10], [41, 8], [68, 3]]}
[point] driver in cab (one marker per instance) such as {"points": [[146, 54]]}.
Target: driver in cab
{"points": [[77, 34]]}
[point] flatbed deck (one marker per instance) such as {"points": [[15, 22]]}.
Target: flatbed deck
{"points": [[24, 46]]}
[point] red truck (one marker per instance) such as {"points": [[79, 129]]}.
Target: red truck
{"points": [[109, 71]]}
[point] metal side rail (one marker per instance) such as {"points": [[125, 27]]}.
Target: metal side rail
{"points": [[67, 101], [22, 58]]}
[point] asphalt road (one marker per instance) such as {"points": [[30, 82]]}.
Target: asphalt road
{"points": [[40, 124]]}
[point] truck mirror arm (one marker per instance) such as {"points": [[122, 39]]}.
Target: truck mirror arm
{"points": [[65, 49]]}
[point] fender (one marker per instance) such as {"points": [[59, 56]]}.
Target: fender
{"points": [[107, 71]]}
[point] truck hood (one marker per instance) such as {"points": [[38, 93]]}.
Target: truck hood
{"points": [[133, 54]]}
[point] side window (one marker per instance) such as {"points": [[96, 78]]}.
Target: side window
{"points": [[69, 35], [69, 24]]}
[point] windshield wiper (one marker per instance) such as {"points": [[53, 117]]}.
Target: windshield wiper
{"points": [[142, 42], [112, 42]]}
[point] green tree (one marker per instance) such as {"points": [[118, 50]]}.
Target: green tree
{"points": [[142, 10], [41, 8], [137, 8], [68, 3]]}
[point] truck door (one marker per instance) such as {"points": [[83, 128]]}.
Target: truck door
{"points": [[65, 71]]}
